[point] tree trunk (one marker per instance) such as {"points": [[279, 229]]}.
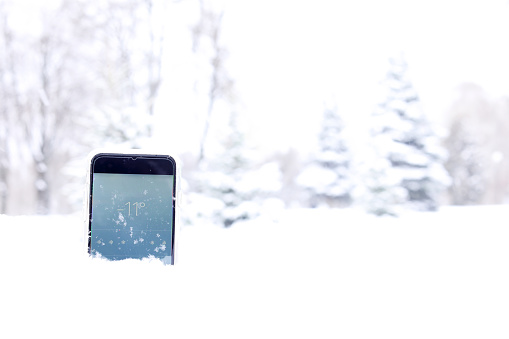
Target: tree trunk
{"points": [[42, 187], [4, 193]]}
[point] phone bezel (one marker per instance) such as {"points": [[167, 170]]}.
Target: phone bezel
{"points": [[120, 163]]}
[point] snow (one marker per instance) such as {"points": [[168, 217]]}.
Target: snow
{"points": [[309, 273], [316, 176]]}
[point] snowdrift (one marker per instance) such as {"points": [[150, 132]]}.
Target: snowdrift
{"points": [[307, 274]]}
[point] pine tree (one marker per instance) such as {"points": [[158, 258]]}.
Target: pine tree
{"points": [[327, 178], [407, 151], [232, 164], [221, 178]]}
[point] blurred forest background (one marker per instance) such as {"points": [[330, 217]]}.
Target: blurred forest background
{"points": [[78, 75]]}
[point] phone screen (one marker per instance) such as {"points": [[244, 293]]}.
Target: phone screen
{"points": [[132, 207]]}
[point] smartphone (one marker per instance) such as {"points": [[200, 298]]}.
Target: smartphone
{"points": [[131, 204]]}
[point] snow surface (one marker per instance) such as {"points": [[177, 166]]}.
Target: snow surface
{"points": [[303, 274]]}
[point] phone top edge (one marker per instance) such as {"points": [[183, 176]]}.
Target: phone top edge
{"points": [[133, 163], [133, 155], [161, 151]]}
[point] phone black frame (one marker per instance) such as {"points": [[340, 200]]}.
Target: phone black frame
{"points": [[120, 163]]}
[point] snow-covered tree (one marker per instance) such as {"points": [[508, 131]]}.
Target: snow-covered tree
{"points": [[407, 157], [217, 84], [7, 107], [232, 186], [381, 192], [129, 36], [52, 86], [479, 154], [465, 164], [327, 178], [59, 99], [226, 174]]}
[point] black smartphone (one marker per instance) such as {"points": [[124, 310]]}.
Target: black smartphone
{"points": [[131, 206]]}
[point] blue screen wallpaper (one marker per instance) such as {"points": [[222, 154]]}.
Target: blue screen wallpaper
{"points": [[132, 215]]}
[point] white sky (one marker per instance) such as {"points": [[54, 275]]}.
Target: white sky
{"points": [[289, 57]]}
